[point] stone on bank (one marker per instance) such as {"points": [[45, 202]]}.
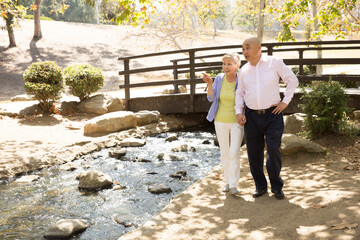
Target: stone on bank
{"points": [[293, 144], [110, 122], [65, 228], [94, 180]]}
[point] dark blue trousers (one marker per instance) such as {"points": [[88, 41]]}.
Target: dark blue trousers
{"points": [[260, 129]]}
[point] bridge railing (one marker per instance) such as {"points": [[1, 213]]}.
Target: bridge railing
{"points": [[201, 60]]}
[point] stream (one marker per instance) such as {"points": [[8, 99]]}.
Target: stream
{"points": [[28, 210]]}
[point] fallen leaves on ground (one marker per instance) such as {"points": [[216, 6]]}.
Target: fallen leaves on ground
{"points": [[344, 224], [71, 127], [217, 177], [352, 167], [248, 178], [319, 205]]}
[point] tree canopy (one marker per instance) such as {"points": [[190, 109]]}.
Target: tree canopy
{"points": [[339, 18], [196, 17]]}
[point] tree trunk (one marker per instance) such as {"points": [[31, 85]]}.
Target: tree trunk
{"points": [[194, 20], [232, 23], [9, 26], [97, 4], [215, 30], [316, 28], [37, 27], [260, 26]]}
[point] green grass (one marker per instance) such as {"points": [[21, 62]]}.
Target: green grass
{"points": [[41, 17]]}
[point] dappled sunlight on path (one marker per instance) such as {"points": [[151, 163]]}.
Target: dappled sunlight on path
{"points": [[319, 195]]}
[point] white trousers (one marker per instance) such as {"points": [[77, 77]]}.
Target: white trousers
{"points": [[230, 136]]}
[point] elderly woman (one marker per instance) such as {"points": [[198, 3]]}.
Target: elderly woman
{"points": [[221, 92]]}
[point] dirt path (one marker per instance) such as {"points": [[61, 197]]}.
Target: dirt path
{"points": [[320, 194]]}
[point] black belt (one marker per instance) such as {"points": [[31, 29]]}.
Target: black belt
{"points": [[262, 111]]}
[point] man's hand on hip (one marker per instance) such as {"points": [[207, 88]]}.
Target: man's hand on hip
{"points": [[241, 119], [279, 107]]}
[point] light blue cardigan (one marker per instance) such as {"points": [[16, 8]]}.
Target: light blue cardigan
{"points": [[215, 98]]}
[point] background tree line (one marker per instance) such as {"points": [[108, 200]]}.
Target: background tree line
{"points": [[193, 18]]}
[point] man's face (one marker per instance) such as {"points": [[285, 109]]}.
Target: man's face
{"points": [[251, 51]]}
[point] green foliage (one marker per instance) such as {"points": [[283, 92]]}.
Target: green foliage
{"points": [[332, 17], [83, 80], [134, 11], [351, 84], [68, 10], [214, 73], [41, 18], [64, 10], [44, 80], [13, 11], [325, 105], [308, 69]]}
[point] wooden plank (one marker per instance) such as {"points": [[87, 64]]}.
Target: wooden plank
{"points": [[181, 51], [304, 61], [316, 49], [167, 67], [161, 83], [342, 78], [337, 42], [323, 61]]}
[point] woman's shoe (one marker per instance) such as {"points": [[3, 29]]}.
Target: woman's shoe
{"points": [[234, 191], [226, 188]]}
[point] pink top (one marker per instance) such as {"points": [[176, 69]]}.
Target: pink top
{"points": [[258, 86]]}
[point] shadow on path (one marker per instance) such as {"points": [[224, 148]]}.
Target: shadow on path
{"points": [[203, 212]]}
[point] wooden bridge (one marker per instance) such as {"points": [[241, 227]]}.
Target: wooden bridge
{"points": [[299, 54]]}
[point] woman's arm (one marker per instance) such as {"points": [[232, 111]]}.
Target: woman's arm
{"points": [[210, 89]]}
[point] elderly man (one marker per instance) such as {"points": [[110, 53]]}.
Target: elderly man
{"points": [[259, 108]]}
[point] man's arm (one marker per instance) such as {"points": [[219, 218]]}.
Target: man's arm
{"points": [[291, 81], [239, 101]]}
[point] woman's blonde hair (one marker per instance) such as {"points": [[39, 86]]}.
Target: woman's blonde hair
{"points": [[234, 56]]}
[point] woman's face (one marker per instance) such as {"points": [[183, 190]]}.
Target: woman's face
{"points": [[229, 66]]}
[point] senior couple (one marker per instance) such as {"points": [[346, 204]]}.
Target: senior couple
{"points": [[248, 102]]}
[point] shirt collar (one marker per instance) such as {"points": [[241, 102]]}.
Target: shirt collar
{"points": [[262, 59]]}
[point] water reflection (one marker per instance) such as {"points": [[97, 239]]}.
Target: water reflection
{"points": [[27, 210]]}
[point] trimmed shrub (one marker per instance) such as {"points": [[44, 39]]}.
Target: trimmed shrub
{"points": [[83, 80], [44, 81], [325, 105]]}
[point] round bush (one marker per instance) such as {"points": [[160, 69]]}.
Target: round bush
{"points": [[44, 81], [83, 80], [325, 105]]}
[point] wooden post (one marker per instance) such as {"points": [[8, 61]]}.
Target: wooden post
{"points": [[176, 77], [126, 83], [270, 50], [301, 66], [192, 80]]}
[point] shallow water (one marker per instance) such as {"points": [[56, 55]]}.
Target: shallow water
{"points": [[28, 210]]}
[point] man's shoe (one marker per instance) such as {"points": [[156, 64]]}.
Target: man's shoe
{"points": [[226, 188], [278, 194], [234, 191], [259, 193]]}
